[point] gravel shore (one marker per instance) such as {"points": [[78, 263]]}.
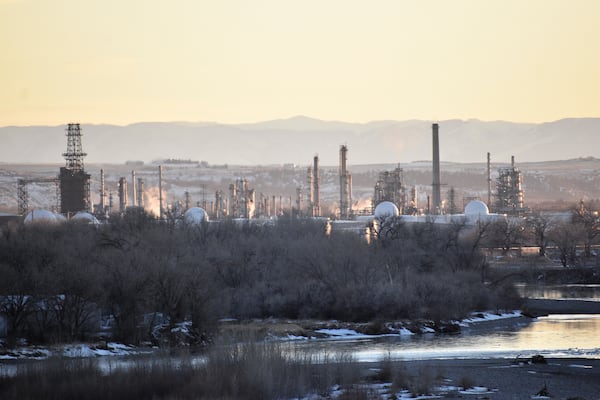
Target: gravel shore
{"points": [[505, 379]]}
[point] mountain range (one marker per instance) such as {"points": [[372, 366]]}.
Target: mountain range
{"points": [[296, 140]]}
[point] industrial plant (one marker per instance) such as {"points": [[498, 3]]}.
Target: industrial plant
{"points": [[241, 201]]}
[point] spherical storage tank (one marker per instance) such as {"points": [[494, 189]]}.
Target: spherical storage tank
{"points": [[35, 216], [386, 209], [195, 216], [476, 207], [85, 217]]}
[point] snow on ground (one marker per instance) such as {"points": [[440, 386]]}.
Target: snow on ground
{"points": [[344, 333], [71, 351], [489, 316], [111, 349], [477, 390], [31, 353], [384, 391]]}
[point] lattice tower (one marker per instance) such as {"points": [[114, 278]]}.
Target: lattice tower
{"points": [[74, 154]]}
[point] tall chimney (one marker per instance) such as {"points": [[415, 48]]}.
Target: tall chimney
{"points": [[345, 202], [140, 192], [512, 161], [122, 194], [102, 193], [436, 195], [160, 196], [489, 180], [134, 201], [316, 189]]}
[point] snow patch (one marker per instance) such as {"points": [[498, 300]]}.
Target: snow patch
{"points": [[477, 390], [489, 316]]}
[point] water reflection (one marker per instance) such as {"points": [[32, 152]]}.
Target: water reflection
{"points": [[560, 292], [552, 336]]}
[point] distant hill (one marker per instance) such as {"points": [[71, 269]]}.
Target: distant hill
{"points": [[297, 139]]}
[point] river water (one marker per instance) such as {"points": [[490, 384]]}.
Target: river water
{"points": [[560, 292], [551, 336]]}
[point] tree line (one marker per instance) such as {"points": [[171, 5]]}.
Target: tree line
{"points": [[136, 273]]}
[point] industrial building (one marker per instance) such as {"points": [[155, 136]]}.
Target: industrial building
{"points": [[509, 191], [74, 181], [242, 202], [390, 187], [241, 199]]}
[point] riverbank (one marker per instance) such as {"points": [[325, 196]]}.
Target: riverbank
{"points": [[564, 378]]}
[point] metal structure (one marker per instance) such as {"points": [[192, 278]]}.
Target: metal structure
{"points": [[314, 189], [345, 185], [299, 199], [390, 187], [74, 181], [23, 193], [160, 193], [187, 200], [489, 179], [436, 200], [134, 201], [220, 205], [241, 199], [509, 191], [102, 193], [412, 206], [122, 194], [140, 192], [452, 206]]}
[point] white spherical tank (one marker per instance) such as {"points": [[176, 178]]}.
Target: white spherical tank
{"points": [[386, 209], [85, 217], [195, 216], [476, 207], [35, 216]]}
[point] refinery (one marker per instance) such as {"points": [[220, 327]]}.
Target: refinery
{"points": [[71, 195]]}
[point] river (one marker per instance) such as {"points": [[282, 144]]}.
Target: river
{"points": [[567, 336], [551, 336]]}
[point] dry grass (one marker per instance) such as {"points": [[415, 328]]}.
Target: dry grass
{"points": [[249, 370]]}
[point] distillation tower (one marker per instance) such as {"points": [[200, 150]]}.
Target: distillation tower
{"points": [[509, 191], [241, 199], [314, 189], [122, 194], [345, 185], [74, 181], [390, 187]]}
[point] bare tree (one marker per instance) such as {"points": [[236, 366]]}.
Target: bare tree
{"points": [[565, 237], [590, 223], [539, 226]]}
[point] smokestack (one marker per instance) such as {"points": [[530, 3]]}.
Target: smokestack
{"points": [[133, 189], [489, 180], [140, 192], [122, 194], [436, 195], [316, 189], [512, 161], [160, 193], [102, 192], [345, 184]]}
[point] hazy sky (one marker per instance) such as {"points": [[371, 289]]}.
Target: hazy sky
{"points": [[123, 61]]}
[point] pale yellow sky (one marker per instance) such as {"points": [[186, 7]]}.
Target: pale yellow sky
{"points": [[124, 61]]}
